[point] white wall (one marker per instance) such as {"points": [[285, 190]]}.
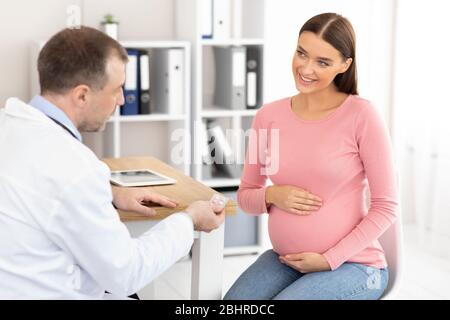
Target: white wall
{"points": [[23, 21], [371, 20], [422, 111]]}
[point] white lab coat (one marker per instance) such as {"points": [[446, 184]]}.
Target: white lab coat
{"points": [[60, 236]]}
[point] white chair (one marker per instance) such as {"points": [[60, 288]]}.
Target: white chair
{"points": [[392, 242]]}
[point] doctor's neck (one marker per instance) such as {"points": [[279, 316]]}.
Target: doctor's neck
{"points": [[66, 104]]}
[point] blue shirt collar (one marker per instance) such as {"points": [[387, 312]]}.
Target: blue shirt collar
{"points": [[52, 111]]}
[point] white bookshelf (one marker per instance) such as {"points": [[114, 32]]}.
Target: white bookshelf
{"points": [[221, 113], [232, 42], [146, 134], [248, 30]]}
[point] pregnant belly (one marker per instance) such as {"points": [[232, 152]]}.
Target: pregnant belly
{"points": [[317, 232]]}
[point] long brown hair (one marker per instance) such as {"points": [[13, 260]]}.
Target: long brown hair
{"points": [[338, 32]]}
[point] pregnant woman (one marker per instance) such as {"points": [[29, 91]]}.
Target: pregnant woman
{"points": [[331, 145]]}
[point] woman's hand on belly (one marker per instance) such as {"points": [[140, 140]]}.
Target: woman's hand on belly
{"points": [[306, 262], [293, 199]]}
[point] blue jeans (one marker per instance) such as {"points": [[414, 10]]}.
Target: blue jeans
{"points": [[268, 279]]}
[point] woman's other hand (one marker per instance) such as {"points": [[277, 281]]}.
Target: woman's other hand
{"points": [[306, 262]]}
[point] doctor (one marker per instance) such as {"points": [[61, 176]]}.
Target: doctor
{"points": [[60, 235]]}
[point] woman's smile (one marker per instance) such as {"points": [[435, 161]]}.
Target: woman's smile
{"points": [[306, 81]]}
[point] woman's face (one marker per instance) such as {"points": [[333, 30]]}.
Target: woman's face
{"points": [[316, 63]]}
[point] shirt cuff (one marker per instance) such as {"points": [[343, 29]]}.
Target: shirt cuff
{"points": [[265, 206], [331, 260]]}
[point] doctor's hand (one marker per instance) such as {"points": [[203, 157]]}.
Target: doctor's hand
{"points": [[203, 216], [134, 199], [293, 199], [306, 262]]}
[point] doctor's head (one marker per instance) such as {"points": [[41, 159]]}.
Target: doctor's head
{"points": [[325, 55], [82, 71]]}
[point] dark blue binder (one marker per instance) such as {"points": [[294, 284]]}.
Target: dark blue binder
{"points": [[131, 87]]}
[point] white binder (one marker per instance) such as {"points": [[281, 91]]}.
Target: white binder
{"points": [[222, 17], [251, 89], [236, 18], [206, 18], [229, 92], [167, 81]]}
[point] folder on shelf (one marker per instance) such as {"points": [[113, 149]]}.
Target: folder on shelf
{"points": [[229, 92], [253, 77], [144, 82], [207, 161], [206, 18], [131, 90], [205, 140], [167, 90], [223, 154], [221, 18], [236, 19]]}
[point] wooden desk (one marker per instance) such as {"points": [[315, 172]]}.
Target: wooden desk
{"points": [[207, 250]]}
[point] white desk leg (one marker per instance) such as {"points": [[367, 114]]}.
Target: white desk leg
{"points": [[207, 265]]}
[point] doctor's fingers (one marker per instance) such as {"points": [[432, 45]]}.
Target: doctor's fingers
{"points": [[220, 217], [218, 221], [160, 199], [142, 209]]}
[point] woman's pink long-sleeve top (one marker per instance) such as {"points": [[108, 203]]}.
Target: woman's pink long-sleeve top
{"points": [[333, 158]]}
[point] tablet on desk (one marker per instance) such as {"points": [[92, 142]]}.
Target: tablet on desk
{"points": [[139, 178]]}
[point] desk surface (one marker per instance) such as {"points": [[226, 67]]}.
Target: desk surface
{"points": [[185, 191]]}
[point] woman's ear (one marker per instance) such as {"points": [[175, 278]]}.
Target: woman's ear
{"points": [[346, 64]]}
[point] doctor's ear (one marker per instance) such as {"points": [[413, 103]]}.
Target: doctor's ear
{"points": [[80, 94]]}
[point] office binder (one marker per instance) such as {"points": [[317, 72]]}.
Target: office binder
{"points": [[206, 18], [207, 160], [205, 149], [222, 153], [229, 90], [131, 92], [254, 77], [222, 17], [144, 82], [167, 78], [236, 18]]}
